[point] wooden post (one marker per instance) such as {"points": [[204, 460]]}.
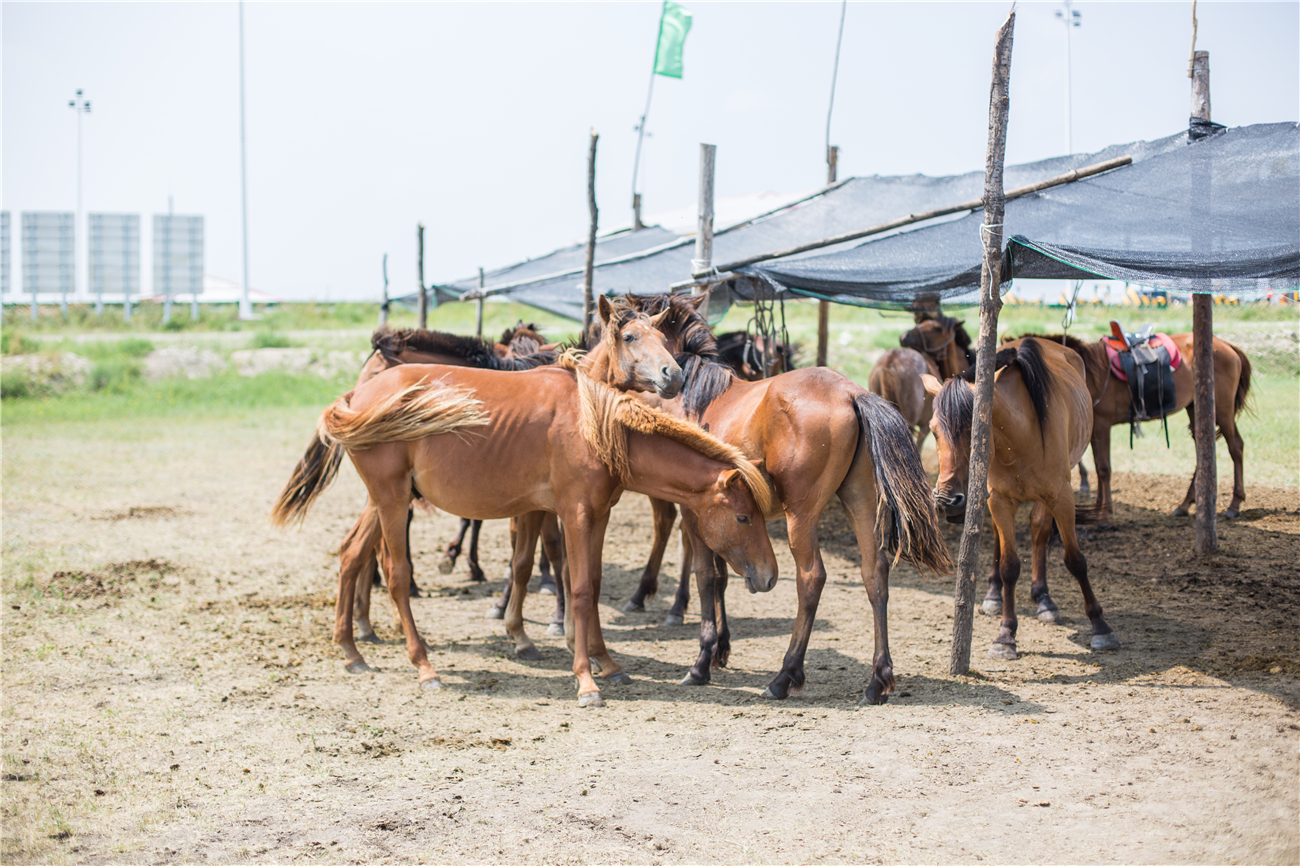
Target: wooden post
{"points": [[824, 307], [383, 307], [479, 312], [990, 304], [419, 264], [703, 261], [1207, 534], [637, 225], [588, 272]]}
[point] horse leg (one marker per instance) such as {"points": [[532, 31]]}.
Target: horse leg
{"points": [[475, 572], [366, 580], [583, 538], [1040, 533], [682, 599], [1084, 487], [1236, 448], [393, 520], [498, 608], [357, 548], [859, 505], [992, 604], [1184, 507], [553, 550], [1103, 636], [546, 586], [1101, 462], [810, 577], [1004, 519], [664, 514], [707, 584], [528, 528], [451, 550], [722, 650]]}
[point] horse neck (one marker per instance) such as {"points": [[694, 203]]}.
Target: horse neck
{"points": [[955, 360], [663, 468], [600, 365]]}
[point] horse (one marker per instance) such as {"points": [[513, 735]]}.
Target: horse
{"points": [[817, 435], [492, 445], [633, 358], [743, 353], [944, 340], [1039, 388], [1112, 405], [897, 378]]}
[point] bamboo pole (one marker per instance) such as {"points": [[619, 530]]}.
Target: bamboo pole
{"points": [[990, 304], [824, 307], [419, 266], [703, 261], [1207, 531], [588, 270], [973, 204]]}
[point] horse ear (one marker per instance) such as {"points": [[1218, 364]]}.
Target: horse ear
{"points": [[694, 301], [605, 308], [731, 478], [656, 321], [932, 385]]}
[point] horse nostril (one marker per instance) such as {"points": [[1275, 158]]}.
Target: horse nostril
{"points": [[958, 500]]}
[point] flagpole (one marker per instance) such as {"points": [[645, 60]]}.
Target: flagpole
{"points": [[636, 165]]}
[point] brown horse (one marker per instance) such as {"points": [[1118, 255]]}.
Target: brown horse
{"points": [[1112, 405], [897, 378], [1042, 417], [945, 341], [491, 445], [743, 352], [817, 435]]}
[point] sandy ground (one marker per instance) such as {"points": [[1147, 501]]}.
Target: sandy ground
{"points": [[170, 692]]}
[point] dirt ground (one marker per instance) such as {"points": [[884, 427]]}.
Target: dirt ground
{"points": [[171, 694]]}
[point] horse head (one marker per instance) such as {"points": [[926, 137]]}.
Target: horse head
{"points": [[954, 406], [945, 340], [732, 524], [634, 352]]}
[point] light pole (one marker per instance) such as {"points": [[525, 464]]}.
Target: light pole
{"points": [[245, 307], [79, 106], [1071, 18]]}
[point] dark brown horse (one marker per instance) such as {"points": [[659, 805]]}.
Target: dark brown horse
{"points": [[1112, 405], [817, 435], [490, 445], [1042, 418], [744, 353], [945, 341], [897, 378]]}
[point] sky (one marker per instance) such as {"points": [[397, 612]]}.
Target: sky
{"points": [[366, 119]]}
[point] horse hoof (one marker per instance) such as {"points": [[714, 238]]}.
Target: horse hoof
{"points": [[432, 684], [1051, 617], [546, 589], [991, 608], [495, 612], [1006, 652], [368, 638], [591, 699], [619, 679], [692, 680], [358, 667], [1105, 641], [528, 653], [673, 619], [555, 628], [1178, 512], [1231, 513], [771, 695], [633, 607], [446, 564], [870, 700]]}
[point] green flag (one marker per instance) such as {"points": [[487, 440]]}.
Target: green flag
{"points": [[673, 27]]}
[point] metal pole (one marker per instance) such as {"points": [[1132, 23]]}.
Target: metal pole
{"points": [[383, 308], [636, 164], [419, 266], [245, 306], [703, 261]]}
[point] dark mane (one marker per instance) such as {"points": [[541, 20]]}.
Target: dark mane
{"points": [[1033, 372], [391, 342], [1093, 359], [694, 348], [955, 404]]}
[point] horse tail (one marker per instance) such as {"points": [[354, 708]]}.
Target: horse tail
{"points": [[1243, 383], [411, 413], [313, 474], [904, 510]]}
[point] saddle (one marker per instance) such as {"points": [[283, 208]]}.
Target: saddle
{"points": [[1146, 361]]}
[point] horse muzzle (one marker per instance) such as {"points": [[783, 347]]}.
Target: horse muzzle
{"points": [[669, 382], [758, 581], [950, 504]]}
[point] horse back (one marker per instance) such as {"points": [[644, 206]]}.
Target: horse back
{"points": [[897, 378], [1053, 448]]}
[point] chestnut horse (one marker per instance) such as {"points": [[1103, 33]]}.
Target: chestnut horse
{"points": [[897, 378], [1112, 401], [491, 445], [945, 341], [817, 435], [1042, 418]]}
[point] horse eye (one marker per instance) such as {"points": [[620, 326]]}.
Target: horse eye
{"points": [[742, 519], [627, 338]]}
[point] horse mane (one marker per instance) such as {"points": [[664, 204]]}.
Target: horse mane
{"points": [[1094, 357], [522, 330], [608, 415], [705, 376], [391, 342], [955, 403]]}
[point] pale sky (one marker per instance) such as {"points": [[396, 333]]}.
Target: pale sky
{"points": [[364, 119]]}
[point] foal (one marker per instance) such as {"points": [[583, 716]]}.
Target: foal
{"points": [[1042, 417]]}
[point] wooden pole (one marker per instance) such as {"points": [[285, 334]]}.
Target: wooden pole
{"points": [[383, 307], [824, 307], [703, 261], [478, 328], [1207, 533], [990, 304], [419, 265], [588, 270]]}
